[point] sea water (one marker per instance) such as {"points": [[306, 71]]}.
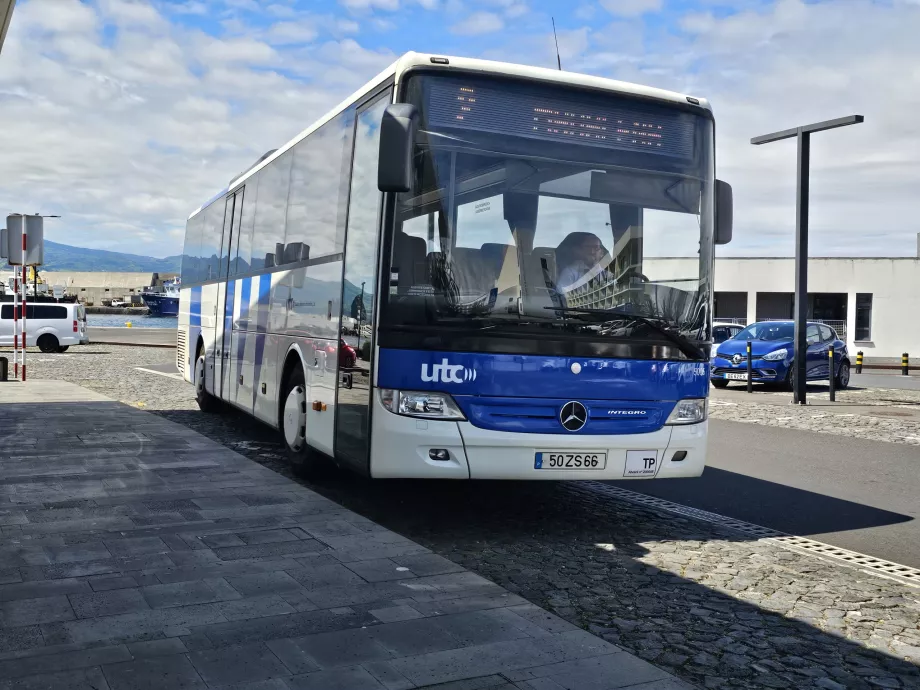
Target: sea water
{"points": [[109, 320]]}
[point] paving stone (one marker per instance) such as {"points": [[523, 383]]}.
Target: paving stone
{"points": [[258, 607], [180, 594], [270, 536], [237, 664], [380, 570], [352, 678], [175, 672], [339, 648], [328, 575], [102, 584], [35, 611], [62, 661], [171, 645], [15, 639], [395, 614], [264, 583], [107, 603], [34, 590], [77, 679]]}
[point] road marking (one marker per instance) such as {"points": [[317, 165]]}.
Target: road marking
{"points": [[167, 374], [869, 564]]}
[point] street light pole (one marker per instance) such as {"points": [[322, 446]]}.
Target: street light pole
{"points": [[803, 136]]}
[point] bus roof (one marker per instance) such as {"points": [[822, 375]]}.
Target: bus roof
{"points": [[447, 63]]}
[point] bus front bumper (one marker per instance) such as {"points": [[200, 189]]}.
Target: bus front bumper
{"points": [[413, 448]]}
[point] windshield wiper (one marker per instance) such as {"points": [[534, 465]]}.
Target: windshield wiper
{"points": [[688, 347]]}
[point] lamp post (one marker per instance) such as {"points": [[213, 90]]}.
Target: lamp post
{"points": [[803, 135], [361, 314]]}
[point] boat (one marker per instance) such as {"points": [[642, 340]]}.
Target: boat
{"points": [[162, 300]]}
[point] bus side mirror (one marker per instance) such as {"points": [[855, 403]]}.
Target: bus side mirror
{"points": [[723, 212], [397, 138]]}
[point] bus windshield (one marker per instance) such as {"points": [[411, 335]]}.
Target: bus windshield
{"points": [[537, 205]]}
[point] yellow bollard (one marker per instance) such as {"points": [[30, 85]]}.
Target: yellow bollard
{"points": [[127, 324]]}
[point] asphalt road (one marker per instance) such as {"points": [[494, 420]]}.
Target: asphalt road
{"points": [[153, 337], [856, 494], [889, 379]]}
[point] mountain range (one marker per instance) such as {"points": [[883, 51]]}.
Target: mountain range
{"points": [[63, 257]]}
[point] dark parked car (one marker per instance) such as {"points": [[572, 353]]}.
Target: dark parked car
{"points": [[772, 349]]}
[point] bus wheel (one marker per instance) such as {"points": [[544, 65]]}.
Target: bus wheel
{"points": [[206, 401], [305, 461]]}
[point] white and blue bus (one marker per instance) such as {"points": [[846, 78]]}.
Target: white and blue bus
{"points": [[458, 273]]}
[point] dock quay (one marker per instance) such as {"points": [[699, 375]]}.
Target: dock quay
{"points": [[136, 552]]}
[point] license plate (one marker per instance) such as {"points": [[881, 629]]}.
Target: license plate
{"points": [[560, 460], [737, 377], [641, 463]]}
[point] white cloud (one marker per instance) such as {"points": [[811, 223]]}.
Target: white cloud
{"points": [[124, 137], [292, 32], [479, 23], [360, 5], [631, 8], [429, 4]]}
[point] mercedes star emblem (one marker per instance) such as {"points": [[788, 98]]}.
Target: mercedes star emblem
{"points": [[573, 416]]}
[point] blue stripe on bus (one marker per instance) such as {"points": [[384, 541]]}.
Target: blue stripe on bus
{"points": [[265, 293], [228, 307], [194, 310], [245, 293]]}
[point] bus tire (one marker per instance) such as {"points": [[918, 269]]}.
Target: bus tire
{"points": [[206, 401], [48, 343], [306, 462]]}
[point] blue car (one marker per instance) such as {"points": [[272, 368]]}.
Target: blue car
{"points": [[772, 349]]}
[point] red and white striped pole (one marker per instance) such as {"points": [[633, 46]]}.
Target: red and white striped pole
{"points": [[24, 310], [15, 324]]}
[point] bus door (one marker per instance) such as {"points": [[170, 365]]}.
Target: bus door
{"points": [[362, 239], [223, 323]]}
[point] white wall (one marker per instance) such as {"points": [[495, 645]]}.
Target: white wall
{"points": [[893, 283]]}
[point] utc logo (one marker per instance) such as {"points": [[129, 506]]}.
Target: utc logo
{"points": [[445, 372]]}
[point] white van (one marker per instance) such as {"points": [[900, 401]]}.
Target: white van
{"points": [[53, 327]]}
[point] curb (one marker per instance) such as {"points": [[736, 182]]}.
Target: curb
{"points": [[111, 342]]}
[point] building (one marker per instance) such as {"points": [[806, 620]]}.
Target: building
{"points": [[871, 302], [98, 287]]}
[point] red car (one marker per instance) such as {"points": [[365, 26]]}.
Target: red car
{"points": [[347, 355]]}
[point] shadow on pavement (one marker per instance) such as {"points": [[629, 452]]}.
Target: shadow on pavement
{"points": [[781, 507], [590, 560]]}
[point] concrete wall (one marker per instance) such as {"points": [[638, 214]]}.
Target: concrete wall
{"points": [[893, 283]]}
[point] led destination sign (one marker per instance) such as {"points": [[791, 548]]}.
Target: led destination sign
{"points": [[609, 122]]}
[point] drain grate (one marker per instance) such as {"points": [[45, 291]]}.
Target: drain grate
{"points": [[878, 566]]}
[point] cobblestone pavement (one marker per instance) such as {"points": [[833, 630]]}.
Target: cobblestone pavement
{"points": [[875, 414], [716, 608]]}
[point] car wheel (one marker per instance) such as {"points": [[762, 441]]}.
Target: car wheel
{"points": [[62, 348], [48, 343], [305, 461], [206, 401], [787, 384], [719, 383], [842, 379]]}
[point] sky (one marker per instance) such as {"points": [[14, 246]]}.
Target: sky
{"points": [[124, 116]]}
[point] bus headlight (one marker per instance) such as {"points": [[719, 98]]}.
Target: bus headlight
{"points": [[423, 404], [689, 411]]}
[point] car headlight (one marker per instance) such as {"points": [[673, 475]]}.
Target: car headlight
{"points": [[776, 355], [689, 411], [421, 404]]}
